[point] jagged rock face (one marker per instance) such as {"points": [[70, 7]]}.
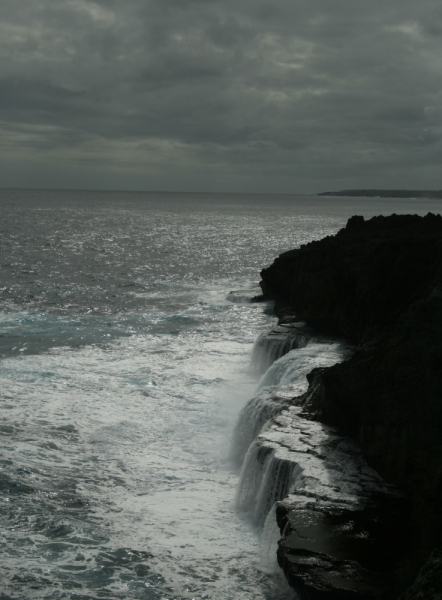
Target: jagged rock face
{"points": [[356, 283], [379, 283]]}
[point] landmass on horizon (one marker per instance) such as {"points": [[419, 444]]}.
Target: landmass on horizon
{"points": [[387, 193]]}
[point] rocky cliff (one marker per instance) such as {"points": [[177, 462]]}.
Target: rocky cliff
{"points": [[378, 283]]}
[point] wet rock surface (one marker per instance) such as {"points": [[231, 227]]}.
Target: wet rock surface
{"points": [[340, 522], [377, 283]]}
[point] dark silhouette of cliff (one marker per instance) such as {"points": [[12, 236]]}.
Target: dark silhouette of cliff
{"points": [[378, 283]]}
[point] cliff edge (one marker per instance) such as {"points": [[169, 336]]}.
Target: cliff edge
{"points": [[378, 283]]}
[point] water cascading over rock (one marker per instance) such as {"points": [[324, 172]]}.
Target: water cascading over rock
{"points": [[285, 379], [266, 478], [277, 342], [315, 483]]}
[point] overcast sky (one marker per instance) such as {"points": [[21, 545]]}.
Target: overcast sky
{"points": [[283, 96]]}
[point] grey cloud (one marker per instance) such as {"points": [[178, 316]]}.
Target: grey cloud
{"points": [[254, 88]]}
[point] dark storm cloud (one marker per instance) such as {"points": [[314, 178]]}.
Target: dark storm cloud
{"points": [[245, 94]]}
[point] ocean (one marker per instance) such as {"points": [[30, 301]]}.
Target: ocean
{"points": [[125, 363]]}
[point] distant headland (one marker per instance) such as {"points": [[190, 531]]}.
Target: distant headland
{"points": [[387, 193]]}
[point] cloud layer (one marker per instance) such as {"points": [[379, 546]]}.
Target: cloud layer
{"points": [[208, 95]]}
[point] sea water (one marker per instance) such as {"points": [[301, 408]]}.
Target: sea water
{"points": [[124, 365]]}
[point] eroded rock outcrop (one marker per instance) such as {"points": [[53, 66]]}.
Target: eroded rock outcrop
{"points": [[378, 283]]}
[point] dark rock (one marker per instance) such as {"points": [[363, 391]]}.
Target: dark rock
{"points": [[428, 583], [378, 283]]}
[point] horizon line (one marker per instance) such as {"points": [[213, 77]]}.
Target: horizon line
{"points": [[43, 189]]}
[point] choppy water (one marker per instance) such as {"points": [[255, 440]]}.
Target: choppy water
{"points": [[123, 369]]}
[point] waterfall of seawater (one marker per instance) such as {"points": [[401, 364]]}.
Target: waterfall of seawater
{"points": [[251, 420], [274, 344], [303, 471], [266, 478], [272, 471], [293, 368], [285, 379]]}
